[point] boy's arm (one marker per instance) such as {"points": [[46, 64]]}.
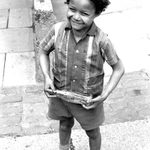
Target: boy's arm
{"points": [[117, 73], [45, 66], [113, 60], [46, 46]]}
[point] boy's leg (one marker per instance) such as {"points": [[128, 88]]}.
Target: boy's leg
{"points": [[65, 127], [94, 138]]}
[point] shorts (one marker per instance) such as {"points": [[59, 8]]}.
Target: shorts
{"points": [[89, 119]]}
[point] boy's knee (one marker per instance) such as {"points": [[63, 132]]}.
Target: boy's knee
{"points": [[66, 124], [94, 133]]}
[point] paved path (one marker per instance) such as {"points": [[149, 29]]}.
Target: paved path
{"points": [[17, 63], [121, 136]]}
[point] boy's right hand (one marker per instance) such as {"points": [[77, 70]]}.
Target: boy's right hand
{"points": [[48, 84]]}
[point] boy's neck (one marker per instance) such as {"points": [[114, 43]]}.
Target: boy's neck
{"points": [[79, 34]]}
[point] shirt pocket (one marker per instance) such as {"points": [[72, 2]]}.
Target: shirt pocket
{"points": [[95, 84], [92, 80]]}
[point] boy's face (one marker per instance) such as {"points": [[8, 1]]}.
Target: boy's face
{"points": [[81, 14]]}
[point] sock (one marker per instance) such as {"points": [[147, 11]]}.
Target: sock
{"points": [[64, 147]]}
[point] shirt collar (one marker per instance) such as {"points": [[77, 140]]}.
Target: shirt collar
{"points": [[68, 25], [91, 32]]}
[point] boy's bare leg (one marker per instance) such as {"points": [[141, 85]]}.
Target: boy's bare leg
{"points": [[94, 138], [65, 127]]}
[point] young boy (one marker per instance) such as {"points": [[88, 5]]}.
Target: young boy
{"points": [[80, 49]]}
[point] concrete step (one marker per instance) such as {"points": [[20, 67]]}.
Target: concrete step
{"points": [[19, 69], [16, 40], [2, 60], [19, 18], [4, 4], [122, 136], [3, 18]]}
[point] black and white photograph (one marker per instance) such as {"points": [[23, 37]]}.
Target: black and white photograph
{"points": [[74, 75]]}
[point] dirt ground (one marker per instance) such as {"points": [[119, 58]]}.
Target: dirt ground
{"points": [[43, 21]]}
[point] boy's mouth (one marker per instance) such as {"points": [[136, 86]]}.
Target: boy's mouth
{"points": [[76, 23]]}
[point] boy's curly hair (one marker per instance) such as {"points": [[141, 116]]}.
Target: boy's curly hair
{"points": [[100, 5]]}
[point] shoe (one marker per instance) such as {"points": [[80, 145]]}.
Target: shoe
{"points": [[71, 146]]}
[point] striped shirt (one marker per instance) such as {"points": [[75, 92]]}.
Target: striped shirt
{"points": [[78, 66]]}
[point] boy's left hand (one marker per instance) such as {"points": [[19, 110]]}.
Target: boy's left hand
{"points": [[95, 101], [99, 98], [90, 105]]}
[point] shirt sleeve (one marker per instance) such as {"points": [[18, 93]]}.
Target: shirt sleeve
{"points": [[109, 52], [47, 43]]}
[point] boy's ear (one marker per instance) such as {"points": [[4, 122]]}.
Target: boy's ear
{"points": [[96, 15]]}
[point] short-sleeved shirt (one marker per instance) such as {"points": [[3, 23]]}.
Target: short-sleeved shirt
{"points": [[78, 66]]}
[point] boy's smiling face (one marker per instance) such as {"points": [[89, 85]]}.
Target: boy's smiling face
{"points": [[81, 14]]}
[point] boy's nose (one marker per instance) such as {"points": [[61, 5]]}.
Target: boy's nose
{"points": [[77, 16]]}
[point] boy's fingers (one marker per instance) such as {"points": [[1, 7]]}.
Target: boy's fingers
{"points": [[86, 107], [98, 99], [89, 106], [52, 87], [83, 102], [48, 90], [49, 93], [46, 93], [95, 100]]}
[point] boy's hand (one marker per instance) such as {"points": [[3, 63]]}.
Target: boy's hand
{"points": [[90, 105], [100, 98], [95, 101], [48, 84]]}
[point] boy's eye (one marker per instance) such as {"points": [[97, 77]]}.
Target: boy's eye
{"points": [[84, 14], [72, 9]]}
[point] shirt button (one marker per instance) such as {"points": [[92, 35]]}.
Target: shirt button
{"points": [[77, 51], [75, 66]]}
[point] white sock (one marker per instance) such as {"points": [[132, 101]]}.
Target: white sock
{"points": [[64, 147]]}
